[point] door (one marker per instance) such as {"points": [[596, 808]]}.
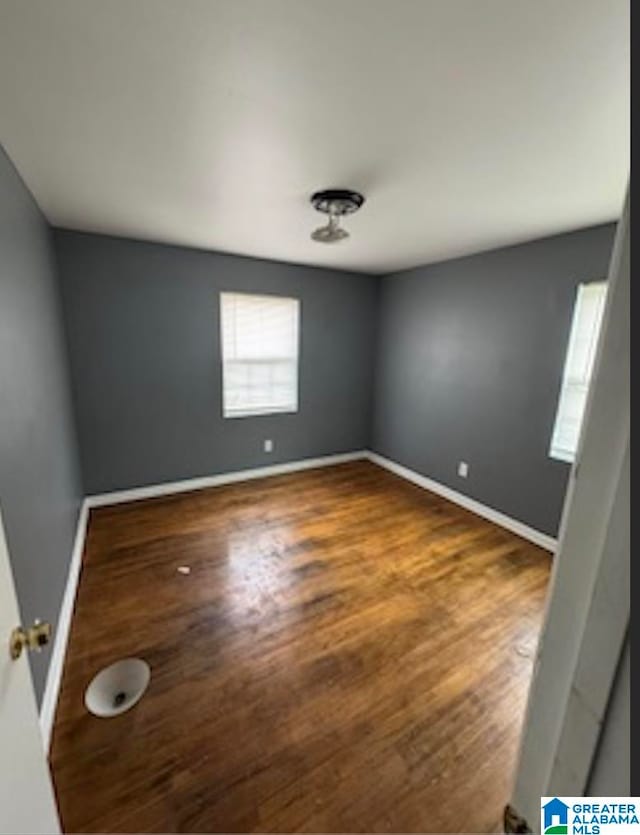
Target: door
{"points": [[588, 605], [26, 795]]}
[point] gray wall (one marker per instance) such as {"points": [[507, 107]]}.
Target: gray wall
{"points": [[142, 325], [39, 475], [470, 360]]}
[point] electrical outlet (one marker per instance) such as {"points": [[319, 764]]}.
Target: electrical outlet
{"points": [[463, 469], [268, 445]]}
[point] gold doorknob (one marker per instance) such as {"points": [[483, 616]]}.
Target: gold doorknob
{"points": [[33, 638]]}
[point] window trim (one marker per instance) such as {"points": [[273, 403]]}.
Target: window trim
{"points": [[244, 412], [556, 452]]}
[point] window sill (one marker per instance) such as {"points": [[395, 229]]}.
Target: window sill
{"points": [[562, 455], [258, 413]]}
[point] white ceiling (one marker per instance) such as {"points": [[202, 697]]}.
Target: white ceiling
{"points": [[468, 124]]}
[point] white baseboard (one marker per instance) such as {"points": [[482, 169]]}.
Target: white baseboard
{"points": [[137, 493], [61, 632], [537, 537]]}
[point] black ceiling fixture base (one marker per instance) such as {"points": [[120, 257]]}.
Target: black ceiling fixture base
{"points": [[337, 201]]}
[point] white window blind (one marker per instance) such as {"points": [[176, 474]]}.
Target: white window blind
{"points": [[583, 342], [259, 354]]}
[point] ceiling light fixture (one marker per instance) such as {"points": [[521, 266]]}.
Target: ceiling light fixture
{"points": [[334, 202]]}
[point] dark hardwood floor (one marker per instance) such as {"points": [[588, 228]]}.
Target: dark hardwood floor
{"points": [[349, 653]]}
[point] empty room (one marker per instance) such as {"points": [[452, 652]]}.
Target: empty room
{"points": [[314, 414]]}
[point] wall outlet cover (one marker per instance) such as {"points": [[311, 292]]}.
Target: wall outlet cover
{"points": [[268, 445], [463, 469]]}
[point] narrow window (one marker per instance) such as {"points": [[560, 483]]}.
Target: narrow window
{"points": [[259, 336], [583, 342]]}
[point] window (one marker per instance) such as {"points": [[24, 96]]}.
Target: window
{"points": [[583, 342], [259, 337]]}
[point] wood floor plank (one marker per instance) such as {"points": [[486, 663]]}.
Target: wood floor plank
{"points": [[349, 653]]}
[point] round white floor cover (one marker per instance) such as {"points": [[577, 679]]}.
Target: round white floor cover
{"points": [[118, 687]]}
